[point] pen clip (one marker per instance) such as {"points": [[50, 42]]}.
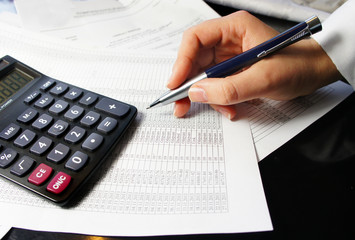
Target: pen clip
{"points": [[304, 32]]}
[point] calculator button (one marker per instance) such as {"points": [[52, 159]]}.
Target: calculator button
{"points": [[58, 107], [40, 174], [73, 94], [107, 125], [41, 146], [77, 161], [59, 183], [92, 142], [90, 119], [22, 166], [25, 138], [58, 128], [112, 107], [48, 84], [10, 131], [74, 113], [88, 99], [75, 135], [44, 101], [42, 122], [7, 157], [33, 96], [59, 89], [58, 153], [27, 116]]}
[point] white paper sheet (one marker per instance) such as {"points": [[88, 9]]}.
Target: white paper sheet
{"points": [[193, 175], [4, 230], [273, 123], [129, 24], [295, 10]]}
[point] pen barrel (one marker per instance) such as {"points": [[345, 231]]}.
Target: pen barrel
{"points": [[247, 58], [181, 92]]}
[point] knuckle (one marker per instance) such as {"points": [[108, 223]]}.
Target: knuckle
{"points": [[229, 92]]}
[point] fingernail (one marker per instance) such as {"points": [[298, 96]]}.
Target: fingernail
{"points": [[224, 113], [174, 113], [197, 95]]}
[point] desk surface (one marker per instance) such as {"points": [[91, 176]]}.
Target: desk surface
{"points": [[309, 182]]}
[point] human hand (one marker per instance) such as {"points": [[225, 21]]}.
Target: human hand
{"points": [[294, 71]]}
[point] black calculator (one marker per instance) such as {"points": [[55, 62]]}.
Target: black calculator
{"points": [[53, 135]]}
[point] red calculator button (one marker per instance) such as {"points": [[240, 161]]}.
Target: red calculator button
{"points": [[59, 183], [40, 175]]}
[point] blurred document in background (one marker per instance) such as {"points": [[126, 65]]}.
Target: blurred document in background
{"points": [[124, 24], [294, 10]]}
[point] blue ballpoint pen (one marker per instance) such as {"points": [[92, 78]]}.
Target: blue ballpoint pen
{"points": [[234, 64]]}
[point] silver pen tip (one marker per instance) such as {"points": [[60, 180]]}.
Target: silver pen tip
{"points": [[153, 104]]}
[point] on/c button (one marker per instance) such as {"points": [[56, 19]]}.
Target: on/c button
{"points": [[59, 183], [40, 175]]}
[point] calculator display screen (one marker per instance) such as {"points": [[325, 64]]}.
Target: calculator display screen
{"points": [[11, 83]]}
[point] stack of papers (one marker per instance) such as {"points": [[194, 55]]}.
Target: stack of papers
{"points": [[198, 174]]}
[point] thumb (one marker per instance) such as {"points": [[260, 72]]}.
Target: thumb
{"points": [[220, 91]]}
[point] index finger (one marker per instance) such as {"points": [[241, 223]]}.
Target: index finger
{"points": [[203, 36]]}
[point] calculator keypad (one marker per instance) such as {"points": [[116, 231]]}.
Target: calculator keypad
{"points": [[57, 134]]}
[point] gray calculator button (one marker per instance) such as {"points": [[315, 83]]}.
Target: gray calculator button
{"points": [[27, 116], [41, 146], [75, 135], [107, 125], [48, 84], [112, 107], [93, 142], [58, 107], [42, 122], [25, 138], [59, 89], [22, 166], [73, 94], [7, 157], [74, 113], [88, 99], [90, 119], [58, 128], [77, 161], [44, 101], [31, 97], [10, 131], [58, 153]]}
